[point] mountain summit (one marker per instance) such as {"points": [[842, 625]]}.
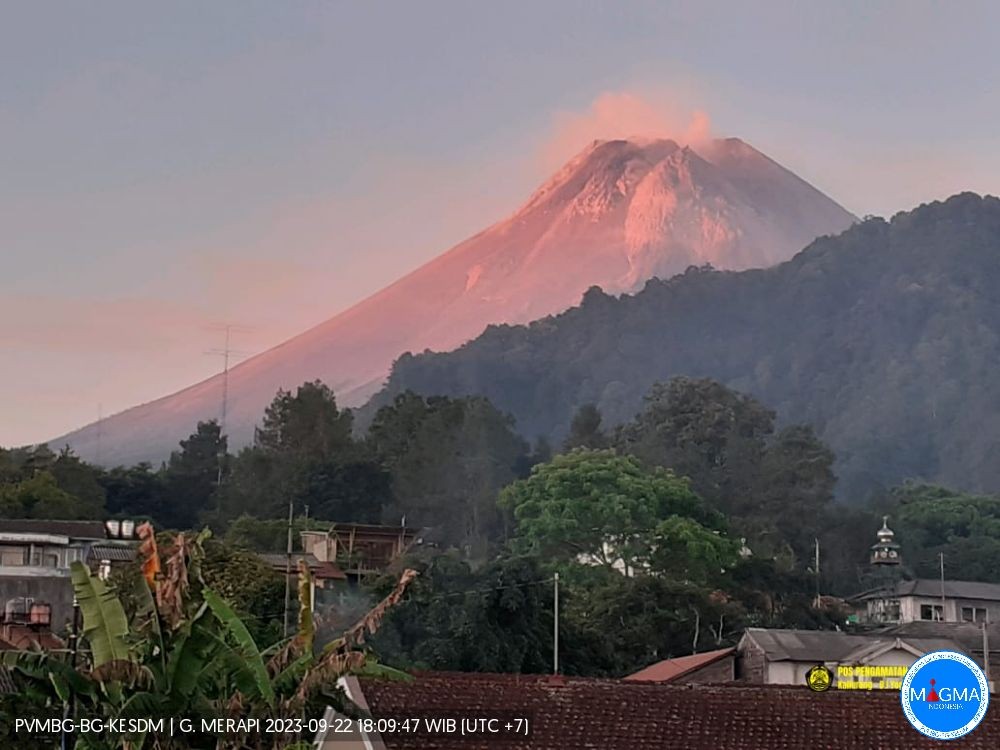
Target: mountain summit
{"points": [[617, 214]]}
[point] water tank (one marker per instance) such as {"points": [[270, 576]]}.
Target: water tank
{"points": [[41, 614], [17, 610]]}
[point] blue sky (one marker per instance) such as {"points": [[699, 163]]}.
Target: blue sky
{"points": [[167, 167]]}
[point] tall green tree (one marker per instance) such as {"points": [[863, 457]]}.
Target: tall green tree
{"points": [[306, 424], [704, 431], [604, 509], [135, 491], [776, 488], [496, 618], [192, 477], [448, 459], [585, 431], [41, 497], [305, 454], [930, 520]]}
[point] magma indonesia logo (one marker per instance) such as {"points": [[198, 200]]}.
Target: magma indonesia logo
{"points": [[944, 695]]}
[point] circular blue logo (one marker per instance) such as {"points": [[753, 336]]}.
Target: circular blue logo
{"points": [[944, 695]]}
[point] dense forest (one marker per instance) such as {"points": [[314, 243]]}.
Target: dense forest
{"points": [[672, 531], [886, 339]]}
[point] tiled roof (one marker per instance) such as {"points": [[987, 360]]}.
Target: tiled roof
{"points": [[952, 589], [72, 529], [672, 669], [591, 714], [931, 588]]}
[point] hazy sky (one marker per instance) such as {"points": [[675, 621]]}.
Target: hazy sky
{"points": [[167, 167]]}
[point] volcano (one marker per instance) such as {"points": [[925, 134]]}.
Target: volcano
{"points": [[618, 214]]}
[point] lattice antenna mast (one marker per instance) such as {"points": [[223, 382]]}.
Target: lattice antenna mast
{"points": [[228, 354], [100, 424]]}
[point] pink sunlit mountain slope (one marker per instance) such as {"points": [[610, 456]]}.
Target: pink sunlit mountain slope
{"points": [[617, 214]]}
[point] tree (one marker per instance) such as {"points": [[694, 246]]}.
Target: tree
{"points": [[307, 425], [134, 491], [930, 520], [448, 459], [497, 618], [793, 494], [585, 430], [192, 477], [604, 509], [775, 488], [41, 497], [305, 454], [79, 479], [704, 431], [267, 534], [614, 625]]}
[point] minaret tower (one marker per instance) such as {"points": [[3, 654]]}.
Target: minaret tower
{"points": [[883, 577], [885, 551]]}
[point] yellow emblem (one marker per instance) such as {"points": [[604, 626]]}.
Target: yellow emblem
{"points": [[819, 678]]}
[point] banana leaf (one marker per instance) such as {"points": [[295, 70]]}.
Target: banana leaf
{"points": [[105, 625], [244, 642]]}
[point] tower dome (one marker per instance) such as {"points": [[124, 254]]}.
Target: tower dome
{"points": [[885, 551]]}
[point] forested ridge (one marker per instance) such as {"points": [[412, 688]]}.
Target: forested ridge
{"points": [[677, 509], [885, 339]]}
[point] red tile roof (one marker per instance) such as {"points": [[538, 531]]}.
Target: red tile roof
{"points": [[672, 669], [592, 714]]}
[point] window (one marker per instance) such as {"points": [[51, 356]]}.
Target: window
{"points": [[931, 612], [974, 614], [12, 555]]}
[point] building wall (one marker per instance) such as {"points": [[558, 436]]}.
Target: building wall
{"points": [[723, 670], [992, 608], [751, 664], [794, 672], [910, 608], [55, 590]]}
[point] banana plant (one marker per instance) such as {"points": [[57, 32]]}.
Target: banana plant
{"points": [[188, 654]]}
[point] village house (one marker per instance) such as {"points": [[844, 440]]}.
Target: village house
{"points": [[35, 557], [359, 548]]}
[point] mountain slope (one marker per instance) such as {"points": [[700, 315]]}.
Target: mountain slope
{"points": [[886, 338], [617, 214]]}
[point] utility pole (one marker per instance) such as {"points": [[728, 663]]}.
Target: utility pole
{"points": [[941, 557], [555, 625], [69, 707], [817, 573], [288, 570], [986, 652]]}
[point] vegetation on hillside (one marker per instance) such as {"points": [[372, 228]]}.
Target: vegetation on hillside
{"points": [[885, 339]]}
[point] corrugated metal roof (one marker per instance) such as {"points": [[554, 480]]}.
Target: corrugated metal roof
{"points": [[952, 589], [833, 646], [112, 553]]}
